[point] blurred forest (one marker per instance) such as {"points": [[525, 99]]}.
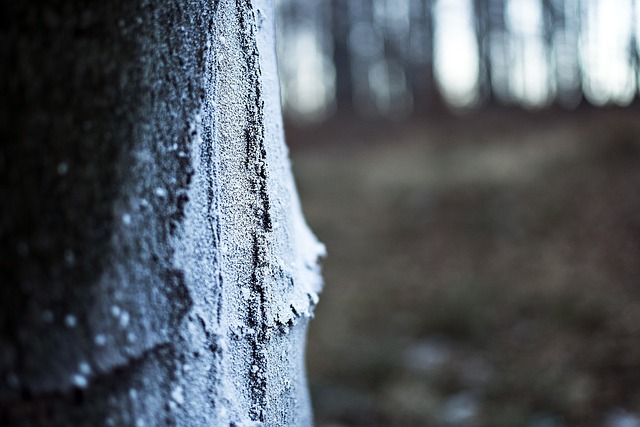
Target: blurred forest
{"points": [[395, 58], [474, 169]]}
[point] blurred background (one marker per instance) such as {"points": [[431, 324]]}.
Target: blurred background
{"points": [[473, 167]]}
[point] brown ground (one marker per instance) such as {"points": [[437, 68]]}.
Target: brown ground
{"points": [[482, 271]]}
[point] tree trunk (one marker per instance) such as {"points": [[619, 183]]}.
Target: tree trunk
{"points": [[483, 33], [342, 56], [155, 265]]}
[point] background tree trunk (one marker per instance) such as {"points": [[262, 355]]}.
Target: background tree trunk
{"points": [[340, 28], [155, 265]]}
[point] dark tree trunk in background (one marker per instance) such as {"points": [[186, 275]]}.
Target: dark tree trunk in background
{"points": [[552, 20], [498, 50], [156, 269], [426, 97], [634, 50], [483, 37], [342, 56]]}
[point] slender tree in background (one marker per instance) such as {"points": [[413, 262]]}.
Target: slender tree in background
{"points": [[551, 21], [155, 265], [568, 65], [634, 48], [420, 58], [365, 46], [340, 25], [483, 29]]}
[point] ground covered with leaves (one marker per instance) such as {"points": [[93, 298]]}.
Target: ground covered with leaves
{"points": [[482, 271]]}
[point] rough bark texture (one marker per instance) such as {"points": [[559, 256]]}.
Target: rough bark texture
{"points": [[155, 265]]}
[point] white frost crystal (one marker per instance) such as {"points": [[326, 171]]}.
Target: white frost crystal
{"points": [[115, 310], [47, 316], [62, 168], [79, 381], [85, 368], [100, 340], [124, 319], [70, 321], [177, 395]]}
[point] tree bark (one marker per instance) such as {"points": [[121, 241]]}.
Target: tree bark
{"points": [[156, 267]]}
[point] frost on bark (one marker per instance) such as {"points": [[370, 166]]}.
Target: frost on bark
{"points": [[155, 265]]}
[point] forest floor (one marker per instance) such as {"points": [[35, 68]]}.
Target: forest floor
{"points": [[481, 271]]}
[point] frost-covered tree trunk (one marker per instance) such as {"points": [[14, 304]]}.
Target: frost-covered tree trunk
{"points": [[155, 265]]}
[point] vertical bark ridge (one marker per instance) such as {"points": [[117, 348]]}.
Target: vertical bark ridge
{"points": [[256, 164]]}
